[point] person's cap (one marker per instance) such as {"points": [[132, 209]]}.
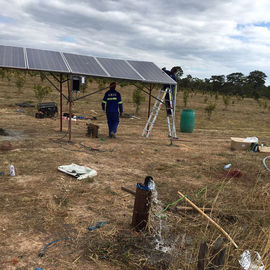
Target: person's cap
{"points": [[112, 84]]}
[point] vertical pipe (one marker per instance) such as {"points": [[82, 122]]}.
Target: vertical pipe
{"points": [[174, 103], [70, 106], [61, 102], [174, 108], [149, 101], [141, 209]]}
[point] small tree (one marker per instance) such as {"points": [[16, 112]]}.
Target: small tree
{"points": [[226, 100], [41, 91], [20, 80], [2, 73], [265, 105], [42, 76], [209, 110], [9, 74], [138, 98], [185, 97]]}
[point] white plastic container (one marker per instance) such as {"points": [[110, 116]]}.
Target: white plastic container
{"points": [[12, 170]]}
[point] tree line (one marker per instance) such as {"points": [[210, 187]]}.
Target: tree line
{"points": [[252, 86]]}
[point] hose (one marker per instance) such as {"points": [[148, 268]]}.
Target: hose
{"points": [[42, 253], [264, 163]]}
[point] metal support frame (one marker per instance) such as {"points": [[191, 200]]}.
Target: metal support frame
{"points": [[148, 93], [61, 102], [70, 100], [90, 94], [60, 90], [55, 86], [149, 100], [70, 106]]}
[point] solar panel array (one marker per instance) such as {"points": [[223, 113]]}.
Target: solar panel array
{"points": [[44, 60]]}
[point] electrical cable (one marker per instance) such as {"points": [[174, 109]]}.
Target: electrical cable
{"points": [[264, 163], [42, 252], [92, 228]]}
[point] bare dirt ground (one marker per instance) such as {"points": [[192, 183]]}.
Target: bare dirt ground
{"points": [[41, 204]]}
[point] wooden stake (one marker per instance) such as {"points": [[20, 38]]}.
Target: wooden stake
{"points": [[207, 217]]}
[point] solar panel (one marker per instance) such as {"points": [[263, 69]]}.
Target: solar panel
{"points": [[119, 69], [151, 72], [46, 60], [84, 65], [43, 60], [12, 57]]}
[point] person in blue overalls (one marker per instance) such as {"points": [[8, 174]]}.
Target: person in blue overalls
{"points": [[113, 103]]}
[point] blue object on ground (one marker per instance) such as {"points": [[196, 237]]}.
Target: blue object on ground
{"points": [[38, 268], [100, 224], [42, 253]]}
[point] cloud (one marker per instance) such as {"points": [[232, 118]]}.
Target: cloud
{"points": [[204, 37]]}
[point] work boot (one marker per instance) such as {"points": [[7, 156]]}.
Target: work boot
{"points": [[112, 135]]}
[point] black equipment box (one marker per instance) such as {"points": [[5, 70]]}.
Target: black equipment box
{"points": [[49, 109]]}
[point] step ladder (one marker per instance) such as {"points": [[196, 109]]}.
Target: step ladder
{"points": [[164, 96]]}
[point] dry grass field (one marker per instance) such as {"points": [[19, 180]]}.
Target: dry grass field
{"points": [[41, 204]]}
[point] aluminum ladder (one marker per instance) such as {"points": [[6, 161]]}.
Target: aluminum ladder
{"points": [[161, 97]]}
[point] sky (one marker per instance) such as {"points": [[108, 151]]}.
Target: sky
{"points": [[205, 38]]}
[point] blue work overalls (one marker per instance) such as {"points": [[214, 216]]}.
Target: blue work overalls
{"points": [[113, 102]]}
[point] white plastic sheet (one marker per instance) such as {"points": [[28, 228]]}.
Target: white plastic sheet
{"points": [[251, 261], [251, 140], [80, 172]]}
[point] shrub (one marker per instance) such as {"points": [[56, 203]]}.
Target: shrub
{"points": [[226, 100], [185, 97], [137, 98], [41, 91], [209, 110], [20, 80]]}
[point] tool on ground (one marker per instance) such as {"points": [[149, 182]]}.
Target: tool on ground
{"points": [[163, 95]]}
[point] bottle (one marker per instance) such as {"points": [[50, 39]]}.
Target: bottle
{"points": [[12, 170], [228, 166]]}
